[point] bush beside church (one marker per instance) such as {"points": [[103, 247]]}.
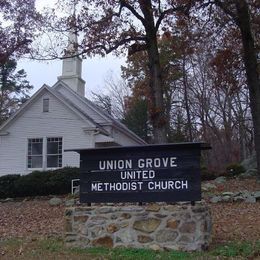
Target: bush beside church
{"points": [[38, 183]]}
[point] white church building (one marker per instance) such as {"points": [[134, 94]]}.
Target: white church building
{"points": [[55, 119]]}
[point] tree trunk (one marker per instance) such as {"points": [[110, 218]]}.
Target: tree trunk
{"points": [[157, 109], [186, 101], [250, 60]]}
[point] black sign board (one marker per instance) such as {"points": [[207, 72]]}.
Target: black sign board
{"points": [[150, 173]]}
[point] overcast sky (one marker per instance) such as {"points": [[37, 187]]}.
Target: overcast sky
{"points": [[94, 71]]}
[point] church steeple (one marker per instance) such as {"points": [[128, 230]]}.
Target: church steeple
{"points": [[72, 63]]}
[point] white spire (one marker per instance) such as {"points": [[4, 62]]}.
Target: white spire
{"points": [[72, 47], [72, 63]]}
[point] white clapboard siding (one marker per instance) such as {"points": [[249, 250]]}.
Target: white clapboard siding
{"points": [[82, 104], [33, 123], [121, 134]]}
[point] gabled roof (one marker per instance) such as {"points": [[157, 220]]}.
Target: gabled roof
{"points": [[46, 88], [107, 120]]}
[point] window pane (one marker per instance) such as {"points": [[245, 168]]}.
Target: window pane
{"points": [[36, 162], [52, 161], [29, 162], [36, 149], [54, 152], [52, 148], [45, 105]]}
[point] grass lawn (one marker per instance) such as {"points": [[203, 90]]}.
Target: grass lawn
{"points": [[54, 249]]}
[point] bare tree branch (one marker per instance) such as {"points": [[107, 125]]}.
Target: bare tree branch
{"points": [[227, 10], [132, 10]]}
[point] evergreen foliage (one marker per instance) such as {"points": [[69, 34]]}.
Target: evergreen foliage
{"points": [[38, 183], [14, 88]]}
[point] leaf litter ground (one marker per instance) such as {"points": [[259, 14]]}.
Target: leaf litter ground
{"points": [[34, 218]]}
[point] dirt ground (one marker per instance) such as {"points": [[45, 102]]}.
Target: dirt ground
{"points": [[231, 221]]}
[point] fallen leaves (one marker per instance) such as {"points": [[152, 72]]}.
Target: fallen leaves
{"points": [[235, 221], [34, 218], [30, 218], [239, 220]]}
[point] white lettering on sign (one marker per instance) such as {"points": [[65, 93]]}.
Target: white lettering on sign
{"points": [[166, 162], [115, 164], [96, 186], [142, 163], [133, 175], [168, 185], [138, 175], [139, 185], [117, 186]]}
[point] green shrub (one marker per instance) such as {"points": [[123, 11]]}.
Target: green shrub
{"points": [[38, 183], [7, 183], [234, 169]]}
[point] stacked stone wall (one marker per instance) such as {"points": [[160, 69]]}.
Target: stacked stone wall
{"points": [[154, 226]]}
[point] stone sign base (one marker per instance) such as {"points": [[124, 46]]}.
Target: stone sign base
{"points": [[154, 226]]}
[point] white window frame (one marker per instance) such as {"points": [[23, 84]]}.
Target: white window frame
{"points": [[45, 105], [44, 153], [29, 152], [59, 154]]}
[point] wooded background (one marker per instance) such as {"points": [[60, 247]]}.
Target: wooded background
{"points": [[191, 74]]}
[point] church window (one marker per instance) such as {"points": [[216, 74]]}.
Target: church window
{"points": [[45, 105], [35, 153], [44, 153], [54, 152]]}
